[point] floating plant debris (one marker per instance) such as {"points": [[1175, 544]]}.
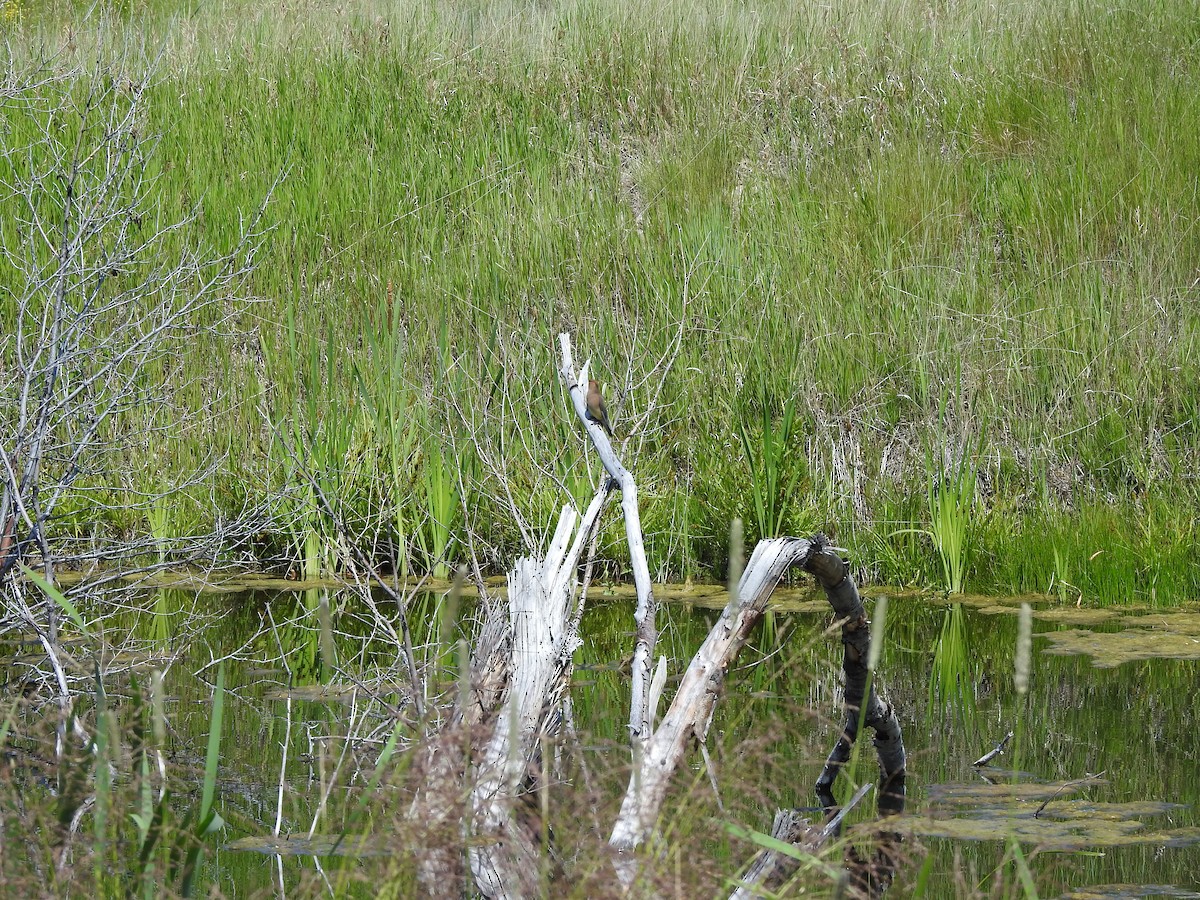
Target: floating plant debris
{"points": [[1110, 649], [1040, 814], [1130, 892], [317, 845]]}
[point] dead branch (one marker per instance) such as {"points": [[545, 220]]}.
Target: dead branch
{"points": [[103, 287], [993, 753], [691, 711], [771, 868], [834, 577], [544, 624], [644, 614]]}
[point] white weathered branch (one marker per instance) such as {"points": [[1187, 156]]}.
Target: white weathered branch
{"points": [[644, 615], [771, 868], [691, 711], [544, 622]]}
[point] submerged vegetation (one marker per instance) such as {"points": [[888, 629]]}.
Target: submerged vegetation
{"points": [[810, 252]]}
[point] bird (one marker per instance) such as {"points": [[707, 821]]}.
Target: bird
{"points": [[597, 410]]}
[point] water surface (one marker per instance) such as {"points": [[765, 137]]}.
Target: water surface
{"points": [[1107, 699]]}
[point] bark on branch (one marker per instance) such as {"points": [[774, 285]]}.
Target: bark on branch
{"points": [[834, 576]]}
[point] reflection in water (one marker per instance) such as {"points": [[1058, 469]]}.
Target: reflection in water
{"points": [[300, 639], [770, 735], [158, 626], [953, 681], [872, 871]]}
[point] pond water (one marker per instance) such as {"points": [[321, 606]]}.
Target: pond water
{"points": [[1112, 694]]}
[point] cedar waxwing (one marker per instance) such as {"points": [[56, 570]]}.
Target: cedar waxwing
{"points": [[597, 411]]}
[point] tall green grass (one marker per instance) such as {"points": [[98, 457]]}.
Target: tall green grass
{"points": [[113, 815], [768, 450], [869, 212]]}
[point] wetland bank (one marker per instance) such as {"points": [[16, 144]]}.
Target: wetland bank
{"points": [[279, 291]]}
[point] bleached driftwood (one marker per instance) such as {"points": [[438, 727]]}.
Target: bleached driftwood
{"points": [[691, 711], [441, 806], [644, 615], [544, 622], [771, 868]]}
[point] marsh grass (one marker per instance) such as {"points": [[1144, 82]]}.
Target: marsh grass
{"points": [[112, 818], [390, 401], [768, 452], [950, 493], [1060, 581], [877, 212]]}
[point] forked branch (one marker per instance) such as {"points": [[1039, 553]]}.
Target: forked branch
{"points": [[644, 615]]}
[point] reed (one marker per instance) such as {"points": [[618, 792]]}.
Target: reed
{"points": [[951, 498], [768, 450], [953, 676]]}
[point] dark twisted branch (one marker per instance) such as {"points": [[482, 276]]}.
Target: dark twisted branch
{"points": [[834, 576]]}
